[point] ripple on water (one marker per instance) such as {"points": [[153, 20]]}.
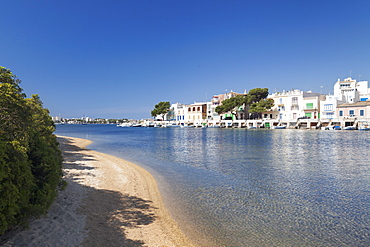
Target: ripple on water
{"points": [[255, 188]]}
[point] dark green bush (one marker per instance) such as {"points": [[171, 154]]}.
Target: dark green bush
{"points": [[30, 160]]}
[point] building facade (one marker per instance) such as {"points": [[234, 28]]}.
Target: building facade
{"points": [[291, 105]]}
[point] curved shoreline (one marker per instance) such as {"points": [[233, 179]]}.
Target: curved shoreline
{"points": [[108, 200]]}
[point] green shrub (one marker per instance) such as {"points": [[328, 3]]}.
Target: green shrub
{"points": [[30, 160]]}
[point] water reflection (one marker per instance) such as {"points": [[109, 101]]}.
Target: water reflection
{"points": [[257, 187]]}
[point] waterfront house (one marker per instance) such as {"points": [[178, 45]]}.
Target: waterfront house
{"points": [[355, 111], [178, 112], [196, 113], [295, 104], [348, 91], [329, 107], [351, 91]]}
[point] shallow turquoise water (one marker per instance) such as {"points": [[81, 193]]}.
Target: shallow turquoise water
{"points": [[238, 187]]}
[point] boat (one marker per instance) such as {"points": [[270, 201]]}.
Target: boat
{"points": [[124, 125], [187, 126], [334, 127], [364, 126], [136, 125], [171, 126], [349, 128], [279, 127], [150, 124]]}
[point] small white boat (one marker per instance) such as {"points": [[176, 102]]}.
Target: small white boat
{"points": [[150, 124], [364, 126], [124, 125], [334, 127], [187, 126], [172, 126], [278, 127], [349, 128]]}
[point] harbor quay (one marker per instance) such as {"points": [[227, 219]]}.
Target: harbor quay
{"points": [[319, 124]]}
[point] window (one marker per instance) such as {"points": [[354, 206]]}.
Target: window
{"points": [[328, 107], [330, 115], [345, 85], [341, 113], [362, 112], [351, 112], [295, 107], [281, 108], [295, 100], [309, 106]]}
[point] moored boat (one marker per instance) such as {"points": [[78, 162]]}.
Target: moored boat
{"points": [[278, 127], [364, 126], [124, 125], [334, 127]]}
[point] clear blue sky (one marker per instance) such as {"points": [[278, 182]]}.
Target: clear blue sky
{"points": [[118, 58]]}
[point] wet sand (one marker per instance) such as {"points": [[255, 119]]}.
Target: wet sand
{"points": [[108, 202]]}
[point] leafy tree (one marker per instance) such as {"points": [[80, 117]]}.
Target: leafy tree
{"points": [[30, 161], [231, 105], [261, 106], [258, 102], [45, 156], [255, 99], [161, 109], [15, 172], [256, 95]]}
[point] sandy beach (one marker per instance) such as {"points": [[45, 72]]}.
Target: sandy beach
{"points": [[107, 202]]}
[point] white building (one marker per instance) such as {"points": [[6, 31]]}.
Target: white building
{"points": [[291, 105], [348, 91], [196, 113], [328, 107], [351, 91], [177, 112]]}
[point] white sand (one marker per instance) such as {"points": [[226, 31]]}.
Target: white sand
{"points": [[108, 202]]}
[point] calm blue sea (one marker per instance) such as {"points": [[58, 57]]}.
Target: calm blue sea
{"points": [[238, 187]]}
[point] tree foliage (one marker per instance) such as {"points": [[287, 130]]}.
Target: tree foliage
{"points": [[30, 160], [161, 109], [231, 105], [255, 99], [256, 95], [261, 106]]}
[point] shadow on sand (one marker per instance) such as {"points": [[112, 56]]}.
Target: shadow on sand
{"points": [[108, 213]]}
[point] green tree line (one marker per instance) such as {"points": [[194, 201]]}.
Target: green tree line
{"points": [[255, 100], [30, 159]]}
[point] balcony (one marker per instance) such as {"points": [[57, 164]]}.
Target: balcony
{"points": [[310, 109]]}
